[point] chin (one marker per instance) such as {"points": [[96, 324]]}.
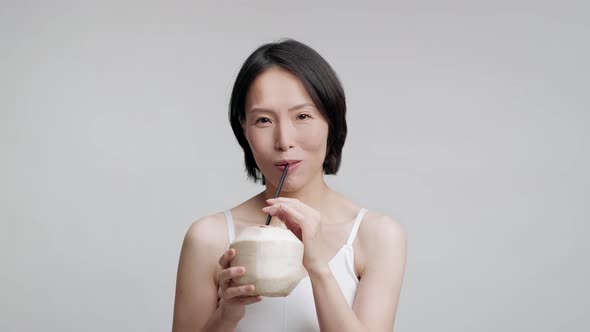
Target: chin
{"points": [[290, 184]]}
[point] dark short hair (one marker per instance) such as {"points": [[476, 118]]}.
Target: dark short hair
{"points": [[320, 82]]}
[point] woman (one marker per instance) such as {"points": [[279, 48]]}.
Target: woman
{"points": [[287, 105]]}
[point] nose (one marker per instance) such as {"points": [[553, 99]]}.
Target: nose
{"points": [[285, 137]]}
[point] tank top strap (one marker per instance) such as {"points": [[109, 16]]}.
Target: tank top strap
{"points": [[230, 226], [355, 226]]}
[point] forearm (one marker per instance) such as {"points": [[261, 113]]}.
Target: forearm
{"points": [[217, 324], [333, 311]]}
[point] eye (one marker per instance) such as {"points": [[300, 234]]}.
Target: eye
{"points": [[262, 120], [303, 116]]}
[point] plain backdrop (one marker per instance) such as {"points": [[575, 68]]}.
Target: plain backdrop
{"points": [[468, 123]]}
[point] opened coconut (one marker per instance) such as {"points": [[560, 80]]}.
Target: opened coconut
{"points": [[273, 258]]}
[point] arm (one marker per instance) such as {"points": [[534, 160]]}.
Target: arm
{"points": [[195, 302], [199, 274], [377, 296], [334, 313]]}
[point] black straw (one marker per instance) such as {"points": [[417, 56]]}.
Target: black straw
{"points": [[269, 217]]}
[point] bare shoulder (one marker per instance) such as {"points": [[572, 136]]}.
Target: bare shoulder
{"points": [[197, 277], [206, 227], [204, 242], [381, 237], [382, 241], [376, 226], [376, 232], [208, 233]]}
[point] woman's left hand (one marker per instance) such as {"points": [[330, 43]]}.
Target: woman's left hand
{"points": [[305, 223]]}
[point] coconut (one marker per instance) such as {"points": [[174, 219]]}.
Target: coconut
{"points": [[273, 258]]}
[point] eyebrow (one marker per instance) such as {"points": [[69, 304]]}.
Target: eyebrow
{"points": [[296, 107]]}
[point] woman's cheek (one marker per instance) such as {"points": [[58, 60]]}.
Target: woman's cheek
{"points": [[256, 141], [317, 139], [261, 147]]}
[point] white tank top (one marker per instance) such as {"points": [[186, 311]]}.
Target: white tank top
{"points": [[296, 312]]}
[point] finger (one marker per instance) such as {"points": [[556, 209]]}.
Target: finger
{"points": [[294, 223], [295, 229], [232, 272], [292, 219], [283, 199], [295, 203], [275, 211], [284, 208], [291, 211], [227, 256], [232, 292], [247, 299]]}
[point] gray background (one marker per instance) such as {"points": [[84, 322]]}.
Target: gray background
{"points": [[468, 123]]}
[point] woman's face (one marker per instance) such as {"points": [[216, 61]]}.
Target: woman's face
{"points": [[282, 123]]}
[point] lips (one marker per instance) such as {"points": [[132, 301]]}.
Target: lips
{"points": [[292, 164]]}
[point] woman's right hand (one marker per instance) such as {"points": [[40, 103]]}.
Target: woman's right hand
{"points": [[234, 298]]}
